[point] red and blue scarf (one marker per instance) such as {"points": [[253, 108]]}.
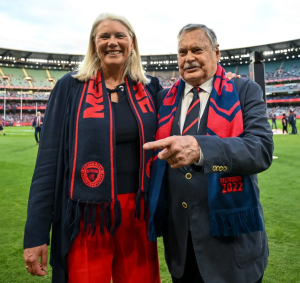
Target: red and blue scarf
{"points": [[93, 162], [233, 204]]}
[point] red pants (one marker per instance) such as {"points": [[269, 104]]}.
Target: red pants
{"points": [[126, 257]]}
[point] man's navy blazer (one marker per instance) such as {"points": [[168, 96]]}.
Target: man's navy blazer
{"points": [[239, 259]]}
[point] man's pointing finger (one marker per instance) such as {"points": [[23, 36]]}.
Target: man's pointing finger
{"points": [[160, 144]]}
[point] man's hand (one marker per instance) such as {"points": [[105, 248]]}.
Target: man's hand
{"points": [[177, 150], [230, 75], [31, 258]]}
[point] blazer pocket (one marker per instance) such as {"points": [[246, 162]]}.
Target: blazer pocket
{"points": [[248, 247]]}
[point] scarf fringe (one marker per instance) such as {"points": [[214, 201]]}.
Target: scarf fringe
{"points": [[141, 196], [102, 207], [76, 221], [86, 218], [108, 217], [73, 217], [93, 219], [118, 216], [235, 223]]}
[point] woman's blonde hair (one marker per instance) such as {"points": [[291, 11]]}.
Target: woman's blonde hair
{"points": [[91, 63]]}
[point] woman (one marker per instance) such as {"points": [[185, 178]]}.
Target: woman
{"points": [[92, 174]]}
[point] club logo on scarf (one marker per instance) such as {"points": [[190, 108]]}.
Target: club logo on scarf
{"points": [[92, 174]]}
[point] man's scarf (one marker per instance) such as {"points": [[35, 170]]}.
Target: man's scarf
{"points": [[233, 205], [93, 163]]}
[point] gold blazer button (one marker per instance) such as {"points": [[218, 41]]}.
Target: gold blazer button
{"points": [[188, 176], [184, 204]]}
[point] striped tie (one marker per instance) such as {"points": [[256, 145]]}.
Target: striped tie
{"points": [[192, 115]]}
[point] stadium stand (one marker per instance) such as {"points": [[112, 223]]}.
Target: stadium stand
{"points": [[16, 76], [32, 75], [39, 78], [57, 74]]}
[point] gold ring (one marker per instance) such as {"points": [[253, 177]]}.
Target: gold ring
{"points": [[170, 161]]}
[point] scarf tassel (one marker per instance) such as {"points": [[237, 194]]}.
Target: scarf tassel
{"points": [[141, 196], [108, 217], [102, 208], [86, 218], [93, 219], [76, 221], [118, 216], [73, 217], [236, 223], [137, 212]]}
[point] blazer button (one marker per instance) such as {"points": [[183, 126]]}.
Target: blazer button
{"points": [[217, 168], [224, 168], [214, 168], [184, 204], [188, 176], [221, 168]]}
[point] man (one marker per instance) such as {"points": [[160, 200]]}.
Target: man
{"points": [[37, 123], [284, 123], [292, 121], [211, 232], [274, 121]]}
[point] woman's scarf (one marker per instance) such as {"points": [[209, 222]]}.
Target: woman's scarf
{"points": [[93, 163], [233, 204]]}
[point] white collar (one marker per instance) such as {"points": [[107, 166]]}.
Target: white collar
{"points": [[206, 86]]}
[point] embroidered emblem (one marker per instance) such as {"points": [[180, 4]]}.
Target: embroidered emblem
{"points": [[148, 166], [231, 184], [92, 174]]}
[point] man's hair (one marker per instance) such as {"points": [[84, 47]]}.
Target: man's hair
{"points": [[91, 62], [209, 33]]}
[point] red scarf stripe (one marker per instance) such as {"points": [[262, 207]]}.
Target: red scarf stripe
{"points": [[76, 141], [193, 123], [111, 152], [195, 103], [167, 117], [149, 96], [142, 151]]}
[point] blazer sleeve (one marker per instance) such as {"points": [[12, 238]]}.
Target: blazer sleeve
{"points": [[40, 203], [250, 154]]}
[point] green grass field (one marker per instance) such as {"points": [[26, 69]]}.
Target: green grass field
{"points": [[280, 196]]}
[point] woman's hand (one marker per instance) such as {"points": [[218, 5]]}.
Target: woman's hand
{"points": [[230, 75], [31, 258]]}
